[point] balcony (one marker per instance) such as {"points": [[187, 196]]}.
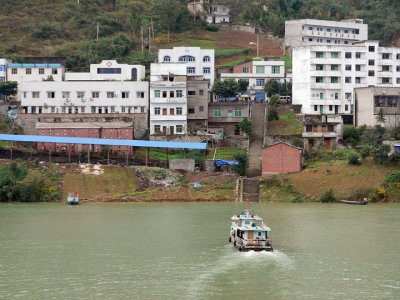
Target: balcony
{"points": [[326, 86], [168, 117], [319, 134], [180, 100], [212, 119]]}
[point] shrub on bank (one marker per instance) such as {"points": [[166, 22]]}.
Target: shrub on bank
{"points": [[354, 159], [327, 196]]}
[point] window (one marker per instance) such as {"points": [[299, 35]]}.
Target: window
{"points": [[41, 71], [54, 71], [207, 70], [260, 82], [348, 55], [336, 96], [157, 110], [319, 79], [321, 96], [358, 79], [385, 68], [164, 111], [95, 94], [334, 67], [28, 71], [238, 112], [358, 54], [186, 58], [319, 54], [348, 67], [157, 128], [310, 39], [80, 95], [108, 70], [346, 107], [335, 55], [385, 80], [206, 59], [260, 69], [371, 73], [334, 79], [308, 128], [371, 62], [217, 112], [157, 93], [191, 70], [191, 110], [125, 95], [328, 41], [179, 110], [142, 109], [315, 107], [358, 67], [179, 93], [171, 94], [319, 67], [276, 69], [398, 80], [397, 68], [191, 93], [392, 101], [330, 107], [331, 128], [14, 71], [123, 110], [179, 128], [140, 95], [347, 80], [385, 56], [201, 92], [164, 94], [167, 58], [51, 94], [35, 94], [245, 70], [398, 56], [110, 94], [201, 108], [371, 49], [310, 28], [172, 111], [348, 96], [65, 94], [2, 79], [2, 68]]}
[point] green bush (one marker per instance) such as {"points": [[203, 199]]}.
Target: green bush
{"points": [[212, 28], [354, 159], [392, 178], [327, 196], [45, 30], [241, 168]]}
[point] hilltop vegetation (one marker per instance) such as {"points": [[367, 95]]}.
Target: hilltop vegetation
{"points": [[69, 28]]}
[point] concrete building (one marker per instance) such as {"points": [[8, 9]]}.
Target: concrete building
{"points": [[281, 158], [322, 32], [197, 104], [322, 131], [101, 130], [210, 11], [224, 118], [257, 73], [3, 69], [168, 99], [370, 100], [77, 97], [109, 70], [324, 77], [23, 72], [198, 62]]}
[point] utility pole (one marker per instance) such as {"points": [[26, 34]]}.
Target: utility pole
{"points": [[257, 45], [97, 30], [141, 33]]}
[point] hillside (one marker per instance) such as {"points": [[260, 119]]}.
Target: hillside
{"points": [[69, 28]]}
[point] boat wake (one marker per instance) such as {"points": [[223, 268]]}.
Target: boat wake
{"points": [[232, 260]]}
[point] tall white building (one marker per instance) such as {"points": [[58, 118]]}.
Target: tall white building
{"points": [[21, 72], [3, 69], [168, 99], [324, 77], [199, 62], [321, 32]]}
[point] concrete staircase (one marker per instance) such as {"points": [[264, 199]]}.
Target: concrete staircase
{"points": [[258, 118], [251, 189]]}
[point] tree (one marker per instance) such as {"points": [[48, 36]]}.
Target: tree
{"points": [[380, 117], [382, 153], [247, 127], [243, 164], [243, 85], [273, 108], [226, 88], [272, 87], [8, 88]]}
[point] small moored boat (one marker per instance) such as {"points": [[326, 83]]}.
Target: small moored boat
{"points": [[249, 232], [73, 198], [363, 202]]}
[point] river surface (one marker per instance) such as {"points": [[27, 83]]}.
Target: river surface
{"points": [[181, 251]]}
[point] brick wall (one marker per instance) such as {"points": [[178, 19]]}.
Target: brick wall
{"points": [[239, 68], [281, 158]]}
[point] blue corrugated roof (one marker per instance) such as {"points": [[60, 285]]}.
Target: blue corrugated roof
{"points": [[107, 142], [31, 65]]}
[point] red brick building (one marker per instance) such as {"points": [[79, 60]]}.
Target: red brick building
{"points": [[101, 130], [281, 158]]}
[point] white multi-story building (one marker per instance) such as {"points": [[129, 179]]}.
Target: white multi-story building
{"points": [[109, 70], [21, 72], [3, 69], [257, 73], [168, 99], [77, 97], [320, 32], [199, 62], [324, 77]]}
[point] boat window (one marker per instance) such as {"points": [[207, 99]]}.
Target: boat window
{"points": [[259, 234], [247, 222]]}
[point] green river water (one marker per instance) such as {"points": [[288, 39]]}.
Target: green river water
{"points": [[181, 251]]}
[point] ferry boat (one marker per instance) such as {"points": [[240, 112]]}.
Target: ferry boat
{"points": [[249, 232], [73, 198]]}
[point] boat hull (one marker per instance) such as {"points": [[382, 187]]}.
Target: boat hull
{"points": [[354, 202], [243, 247]]}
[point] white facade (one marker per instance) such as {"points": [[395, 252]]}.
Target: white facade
{"points": [[324, 77], [3, 69], [96, 97], [21, 72], [217, 14], [168, 99], [259, 73], [321, 32], [199, 62], [109, 70]]}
